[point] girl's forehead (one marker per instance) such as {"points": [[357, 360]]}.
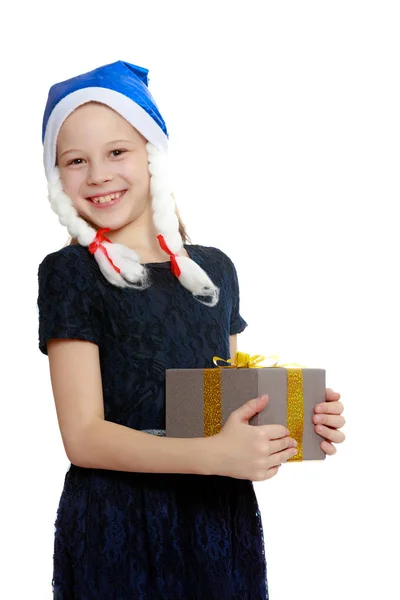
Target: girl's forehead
{"points": [[96, 111], [96, 120]]}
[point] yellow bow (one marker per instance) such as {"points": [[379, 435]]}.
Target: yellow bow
{"points": [[243, 360]]}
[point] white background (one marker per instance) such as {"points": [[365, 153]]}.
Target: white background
{"points": [[284, 134]]}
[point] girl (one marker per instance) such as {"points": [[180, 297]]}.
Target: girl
{"points": [[142, 516]]}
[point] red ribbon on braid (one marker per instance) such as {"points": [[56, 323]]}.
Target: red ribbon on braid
{"points": [[174, 265], [97, 245]]}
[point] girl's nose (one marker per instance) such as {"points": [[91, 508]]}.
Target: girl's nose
{"points": [[98, 174]]}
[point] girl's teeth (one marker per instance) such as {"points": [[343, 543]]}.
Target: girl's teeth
{"points": [[105, 199]]}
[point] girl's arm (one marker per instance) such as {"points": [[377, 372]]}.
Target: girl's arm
{"points": [[92, 442], [233, 346]]}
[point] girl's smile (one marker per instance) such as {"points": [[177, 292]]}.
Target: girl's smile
{"points": [[106, 201]]}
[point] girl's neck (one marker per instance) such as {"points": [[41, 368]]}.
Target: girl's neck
{"points": [[141, 236]]}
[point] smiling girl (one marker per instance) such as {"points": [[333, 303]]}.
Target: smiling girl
{"points": [[142, 516]]}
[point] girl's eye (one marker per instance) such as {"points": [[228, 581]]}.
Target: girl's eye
{"points": [[120, 152], [79, 161], [74, 161]]}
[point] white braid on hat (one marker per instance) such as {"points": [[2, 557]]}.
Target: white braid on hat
{"points": [[127, 270]]}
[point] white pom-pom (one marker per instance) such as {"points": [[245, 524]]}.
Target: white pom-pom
{"points": [[131, 272], [128, 261], [196, 280]]}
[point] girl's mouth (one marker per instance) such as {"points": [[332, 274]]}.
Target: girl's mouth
{"points": [[106, 201]]}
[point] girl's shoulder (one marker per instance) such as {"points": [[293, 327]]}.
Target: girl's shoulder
{"points": [[209, 254], [214, 260], [66, 255], [72, 265]]}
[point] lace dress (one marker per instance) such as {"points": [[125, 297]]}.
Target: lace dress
{"points": [[148, 536]]}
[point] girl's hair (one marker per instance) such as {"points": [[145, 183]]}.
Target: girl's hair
{"points": [[182, 229]]}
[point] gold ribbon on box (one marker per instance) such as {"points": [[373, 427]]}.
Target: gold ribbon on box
{"points": [[295, 397]]}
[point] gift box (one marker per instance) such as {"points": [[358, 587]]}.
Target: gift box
{"points": [[199, 401]]}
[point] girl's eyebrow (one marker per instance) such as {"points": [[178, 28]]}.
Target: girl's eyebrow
{"points": [[108, 144], [120, 141], [71, 150]]}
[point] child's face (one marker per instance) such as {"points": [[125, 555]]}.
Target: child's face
{"points": [[99, 153]]}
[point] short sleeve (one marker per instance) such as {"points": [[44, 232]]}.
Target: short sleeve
{"points": [[237, 323], [67, 303]]}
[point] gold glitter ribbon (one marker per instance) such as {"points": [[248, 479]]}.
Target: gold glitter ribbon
{"points": [[295, 397]]}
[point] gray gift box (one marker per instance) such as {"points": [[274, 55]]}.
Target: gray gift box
{"points": [[189, 413]]}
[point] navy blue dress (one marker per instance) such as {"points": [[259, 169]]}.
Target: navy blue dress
{"points": [[148, 536]]}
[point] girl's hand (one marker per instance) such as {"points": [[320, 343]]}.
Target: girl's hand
{"points": [[328, 421], [242, 451]]}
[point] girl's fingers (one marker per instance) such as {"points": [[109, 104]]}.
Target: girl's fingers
{"points": [[328, 448], [332, 435], [331, 395], [279, 445], [335, 421], [329, 408]]}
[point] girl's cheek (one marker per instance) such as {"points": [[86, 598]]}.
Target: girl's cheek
{"points": [[72, 182]]}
